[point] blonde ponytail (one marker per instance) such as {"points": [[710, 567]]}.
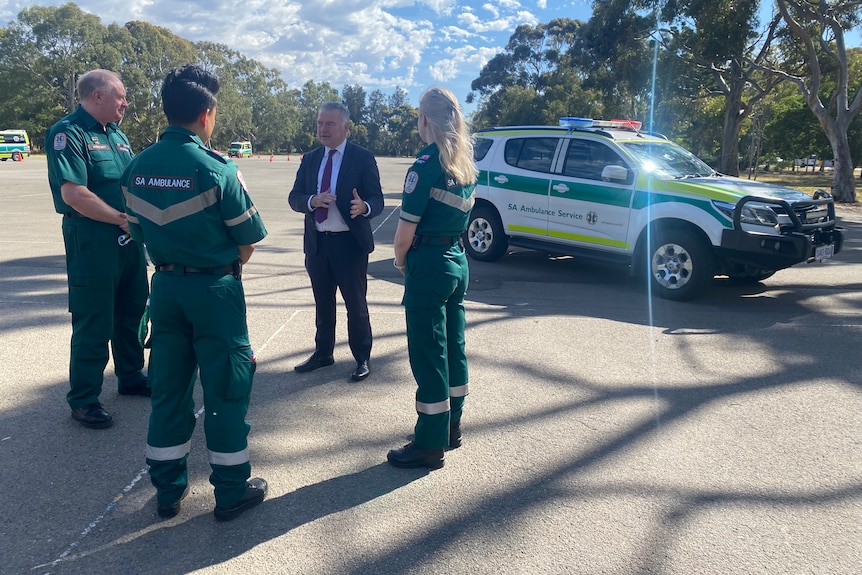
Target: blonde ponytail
{"points": [[449, 131]]}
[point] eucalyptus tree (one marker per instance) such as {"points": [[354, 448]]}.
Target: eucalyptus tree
{"points": [[514, 86], [149, 53], [819, 29], [613, 54], [356, 100], [45, 50]]}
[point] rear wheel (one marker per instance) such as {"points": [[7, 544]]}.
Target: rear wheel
{"points": [[16, 156], [484, 239], [681, 264]]}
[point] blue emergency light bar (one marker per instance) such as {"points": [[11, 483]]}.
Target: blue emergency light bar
{"points": [[581, 123]]}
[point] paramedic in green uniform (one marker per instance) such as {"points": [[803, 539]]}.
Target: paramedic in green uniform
{"points": [[87, 153], [435, 207], [190, 207]]}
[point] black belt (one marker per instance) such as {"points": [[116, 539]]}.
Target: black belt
{"points": [[74, 215], [216, 271], [436, 240], [328, 233]]}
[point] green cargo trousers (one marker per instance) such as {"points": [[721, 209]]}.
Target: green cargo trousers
{"points": [[434, 288], [199, 321], [107, 295]]}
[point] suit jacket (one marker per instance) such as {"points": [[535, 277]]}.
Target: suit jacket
{"points": [[358, 170]]}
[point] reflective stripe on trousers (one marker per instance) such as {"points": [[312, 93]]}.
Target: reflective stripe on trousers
{"points": [[236, 458], [168, 453]]}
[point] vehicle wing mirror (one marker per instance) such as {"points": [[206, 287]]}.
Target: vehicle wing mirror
{"points": [[617, 174]]}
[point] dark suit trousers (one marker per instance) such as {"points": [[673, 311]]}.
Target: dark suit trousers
{"points": [[340, 264]]}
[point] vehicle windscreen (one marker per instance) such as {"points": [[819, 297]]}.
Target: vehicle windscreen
{"points": [[667, 159]]}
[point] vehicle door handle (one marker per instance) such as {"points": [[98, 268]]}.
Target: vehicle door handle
{"points": [[561, 188], [501, 179]]}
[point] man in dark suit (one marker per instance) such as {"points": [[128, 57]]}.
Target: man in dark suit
{"points": [[338, 189]]}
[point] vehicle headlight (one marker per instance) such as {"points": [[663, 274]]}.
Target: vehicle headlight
{"points": [[752, 213]]}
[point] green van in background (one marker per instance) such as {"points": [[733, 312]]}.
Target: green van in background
{"points": [[14, 145], [239, 150]]}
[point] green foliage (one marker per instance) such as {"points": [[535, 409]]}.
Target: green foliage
{"points": [[701, 95], [47, 48]]}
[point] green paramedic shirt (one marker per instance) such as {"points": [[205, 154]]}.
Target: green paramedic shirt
{"points": [[83, 152], [188, 204], [433, 200]]}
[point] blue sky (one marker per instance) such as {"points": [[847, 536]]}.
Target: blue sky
{"points": [[379, 44]]}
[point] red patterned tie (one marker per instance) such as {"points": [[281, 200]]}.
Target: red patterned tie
{"points": [[320, 214]]}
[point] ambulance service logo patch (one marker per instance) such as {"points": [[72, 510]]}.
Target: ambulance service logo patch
{"points": [[60, 141], [241, 181], [410, 182]]}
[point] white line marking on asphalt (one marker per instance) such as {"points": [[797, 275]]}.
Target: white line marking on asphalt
{"points": [[386, 219], [92, 525]]}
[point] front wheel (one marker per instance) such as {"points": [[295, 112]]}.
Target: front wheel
{"points": [[484, 239], [681, 265]]}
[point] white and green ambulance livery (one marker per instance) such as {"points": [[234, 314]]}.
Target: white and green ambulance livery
{"points": [[606, 190]]}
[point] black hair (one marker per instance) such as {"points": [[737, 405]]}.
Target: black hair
{"points": [[187, 92]]}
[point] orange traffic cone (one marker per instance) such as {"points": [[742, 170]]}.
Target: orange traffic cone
{"points": [[270, 157]]}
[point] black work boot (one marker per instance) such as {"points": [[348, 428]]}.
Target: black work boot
{"points": [[411, 455]]}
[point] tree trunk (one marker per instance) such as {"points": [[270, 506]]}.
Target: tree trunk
{"points": [[843, 184], [733, 117]]}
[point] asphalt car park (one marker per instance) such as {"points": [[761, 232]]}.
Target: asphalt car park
{"points": [[606, 431]]}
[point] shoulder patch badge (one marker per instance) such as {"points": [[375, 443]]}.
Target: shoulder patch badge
{"points": [[60, 141], [241, 181], [410, 182]]}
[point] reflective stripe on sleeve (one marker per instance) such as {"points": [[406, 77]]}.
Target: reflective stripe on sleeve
{"points": [[172, 213], [413, 219], [132, 219], [459, 391], [452, 200], [168, 453], [432, 408], [235, 458], [243, 217]]}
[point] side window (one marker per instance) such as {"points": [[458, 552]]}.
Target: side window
{"points": [[481, 147], [587, 159], [535, 154]]}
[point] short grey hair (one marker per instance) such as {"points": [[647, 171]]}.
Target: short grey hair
{"points": [[94, 80], [341, 108]]}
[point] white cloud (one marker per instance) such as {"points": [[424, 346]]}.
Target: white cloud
{"points": [[375, 43], [542, 4], [478, 25], [466, 56], [492, 9]]}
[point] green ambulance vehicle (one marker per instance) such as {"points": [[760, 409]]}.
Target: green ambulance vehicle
{"points": [[606, 190], [239, 150], [14, 145]]}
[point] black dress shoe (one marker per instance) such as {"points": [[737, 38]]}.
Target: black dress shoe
{"points": [[136, 385], [93, 416], [411, 455], [254, 493], [168, 511], [455, 435], [361, 372], [314, 362]]}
